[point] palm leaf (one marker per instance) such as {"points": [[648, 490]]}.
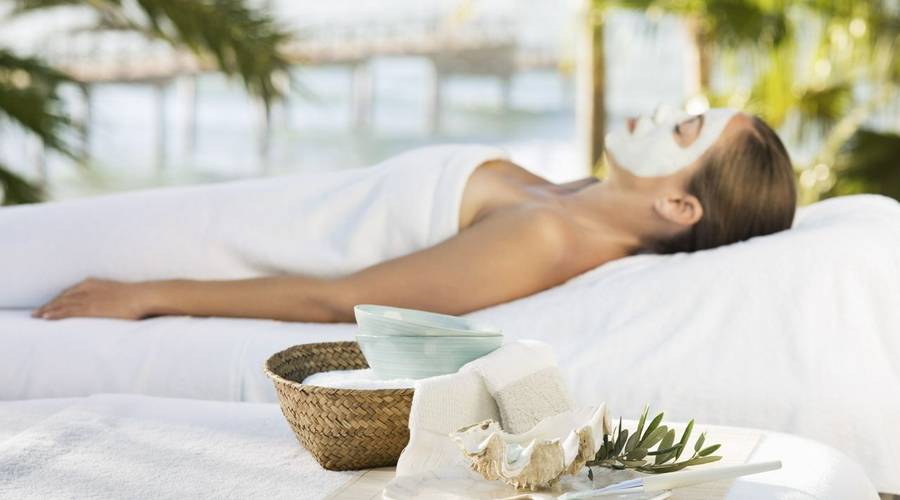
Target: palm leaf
{"points": [[240, 40], [868, 163], [15, 190], [29, 97]]}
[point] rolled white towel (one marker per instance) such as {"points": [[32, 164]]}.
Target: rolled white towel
{"points": [[356, 379]]}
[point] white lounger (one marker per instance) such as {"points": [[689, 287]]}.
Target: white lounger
{"points": [[797, 332], [118, 446]]}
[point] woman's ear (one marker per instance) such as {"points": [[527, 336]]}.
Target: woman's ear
{"points": [[684, 210]]}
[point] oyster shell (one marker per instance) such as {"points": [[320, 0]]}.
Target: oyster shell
{"points": [[536, 459]]}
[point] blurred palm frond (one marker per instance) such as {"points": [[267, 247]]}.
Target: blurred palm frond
{"points": [[822, 65], [241, 40], [229, 34], [29, 97], [868, 163], [15, 190]]}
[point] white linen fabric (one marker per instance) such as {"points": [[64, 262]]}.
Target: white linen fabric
{"points": [[517, 385], [127, 446], [319, 224], [796, 332]]}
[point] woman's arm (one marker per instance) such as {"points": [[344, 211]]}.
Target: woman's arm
{"points": [[509, 255]]}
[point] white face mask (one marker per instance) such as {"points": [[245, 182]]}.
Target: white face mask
{"points": [[651, 150]]}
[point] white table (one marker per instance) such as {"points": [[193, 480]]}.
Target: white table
{"points": [[128, 446]]}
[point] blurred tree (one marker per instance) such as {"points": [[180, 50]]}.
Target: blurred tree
{"points": [[817, 68], [868, 163], [226, 34], [596, 86]]}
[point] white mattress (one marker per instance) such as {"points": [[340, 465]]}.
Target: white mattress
{"points": [[125, 446], [795, 332]]}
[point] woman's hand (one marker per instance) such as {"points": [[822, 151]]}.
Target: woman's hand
{"points": [[99, 299]]}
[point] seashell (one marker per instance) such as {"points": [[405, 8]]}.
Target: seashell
{"points": [[536, 459]]}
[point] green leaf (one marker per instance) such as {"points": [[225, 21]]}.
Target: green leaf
{"points": [[636, 454], [666, 442], [702, 460], [652, 427], [662, 469], [709, 449], [641, 422], [620, 441], [632, 442], [591, 474], [630, 463], [663, 451], [684, 438], [654, 437], [603, 452], [699, 444]]}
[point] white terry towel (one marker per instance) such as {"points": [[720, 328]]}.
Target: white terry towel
{"points": [[125, 446], [318, 224], [517, 385]]}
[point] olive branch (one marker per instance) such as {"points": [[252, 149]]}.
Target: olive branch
{"points": [[635, 451]]}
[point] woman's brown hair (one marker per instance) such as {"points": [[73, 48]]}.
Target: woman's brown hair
{"points": [[746, 189]]}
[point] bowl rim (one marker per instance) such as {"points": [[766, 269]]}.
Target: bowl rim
{"points": [[477, 330]]}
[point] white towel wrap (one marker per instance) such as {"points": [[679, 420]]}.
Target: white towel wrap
{"points": [[317, 224]]}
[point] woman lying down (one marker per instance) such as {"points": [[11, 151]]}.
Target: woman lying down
{"points": [[449, 229]]}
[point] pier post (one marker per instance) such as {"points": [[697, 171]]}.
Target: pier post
{"points": [[190, 135], [87, 120], [265, 135], [161, 121], [506, 92], [40, 162], [435, 103], [362, 95]]}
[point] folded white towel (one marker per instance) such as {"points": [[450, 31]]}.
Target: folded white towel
{"points": [[521, 376], [317, 223], [356, 379], [524, 380], [120, 446]]}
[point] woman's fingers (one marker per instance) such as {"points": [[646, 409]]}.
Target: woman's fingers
{"points": [[63, 311], [58, 308], [75, 291]]}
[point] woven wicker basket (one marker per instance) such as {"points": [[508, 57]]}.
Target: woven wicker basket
{"points": [[345, 429]]}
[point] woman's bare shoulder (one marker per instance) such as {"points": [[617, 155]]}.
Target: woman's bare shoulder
{"points": [[552, 230]]}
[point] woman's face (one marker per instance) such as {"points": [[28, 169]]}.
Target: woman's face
{"points": [[666, 144]]}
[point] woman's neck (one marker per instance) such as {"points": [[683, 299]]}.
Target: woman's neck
{"points": [[625, 218]]}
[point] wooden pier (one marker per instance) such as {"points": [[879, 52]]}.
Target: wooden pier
{"points": [[469, 48]]}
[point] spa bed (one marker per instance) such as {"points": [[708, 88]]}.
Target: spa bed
{"points": [[128, 446], [797, 332]]}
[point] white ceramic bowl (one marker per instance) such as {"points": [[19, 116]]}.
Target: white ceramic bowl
{"points": [[384, 320], [396, 356]]}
